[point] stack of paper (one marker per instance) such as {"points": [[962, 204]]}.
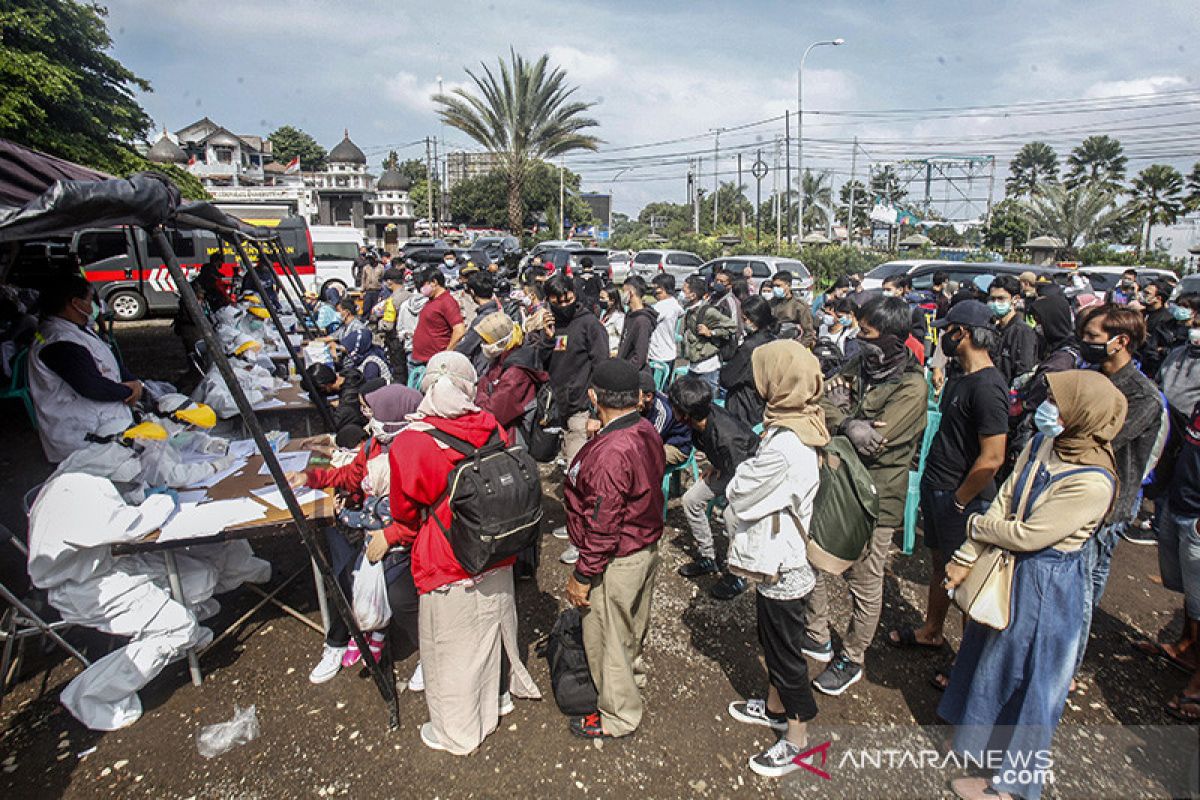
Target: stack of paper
{"points": [[208, 519], [294, 461], [272, 496], [217, 477]]}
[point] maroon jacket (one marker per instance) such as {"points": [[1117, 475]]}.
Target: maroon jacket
{"points": [[510, 384], [613, 494]]}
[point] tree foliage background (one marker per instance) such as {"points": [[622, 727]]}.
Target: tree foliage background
{"points": [[483, 200], [288, 142], [61, 91]]}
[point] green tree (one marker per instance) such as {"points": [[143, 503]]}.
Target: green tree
{"points": [[1087, 212], [818, 197], [1158, 196], [60, 90], [1099, 160], [524, 115], [666, 219], [862, 204], [731, 208], [1193, 187], [288, 142], [1008, 226], [885, 185], [1036, 163], [391, 161], [482, 200]]}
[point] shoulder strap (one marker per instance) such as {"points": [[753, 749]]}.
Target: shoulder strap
{"points": [[453, 442], [1023, 479]]}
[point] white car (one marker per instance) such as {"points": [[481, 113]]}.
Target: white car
{"points": [[679, 263], [334, 249], [763, 268]]}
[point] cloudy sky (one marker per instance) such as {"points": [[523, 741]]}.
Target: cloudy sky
{"points": [[671, 72]]}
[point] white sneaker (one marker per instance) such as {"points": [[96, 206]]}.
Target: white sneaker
{"points": [[329, 665], [206, 609], [417, 682], [506, 704], [560, 532], [429, 738], [777, 760], [570, 555]]}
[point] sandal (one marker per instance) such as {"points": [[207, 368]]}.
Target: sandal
{"points": [[940, 679], [1175, 707], [1154, 649], [907, 637]]}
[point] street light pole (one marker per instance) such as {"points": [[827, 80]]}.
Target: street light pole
{"points": [[800, 131]]}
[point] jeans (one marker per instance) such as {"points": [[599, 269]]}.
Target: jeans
{"points": [[1098, 553], [713, 379]]}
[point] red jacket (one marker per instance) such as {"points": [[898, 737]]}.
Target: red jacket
{"points": [[509, 385], [348, 479], [613, 494], [420, 469]]}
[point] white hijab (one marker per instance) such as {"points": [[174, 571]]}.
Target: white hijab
{"points": [[449, 388]]}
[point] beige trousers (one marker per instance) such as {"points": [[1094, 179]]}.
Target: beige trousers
{"points": [[614, 632], [865, 580]]}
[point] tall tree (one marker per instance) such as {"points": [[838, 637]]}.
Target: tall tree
{"points": [[885, 185], [1098, 160], [1008, 225], [818, 197], [862, 204], [391, 160], [523, 115], [1036, 163], [731, 208], [60, 90], [1158, 196], [1072, 215], [482, 200], [288, 142], [1193, 188]]}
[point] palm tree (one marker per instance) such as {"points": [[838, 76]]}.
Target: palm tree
{"points": [[1035, 163], [1073, 215], [524, 115], [818, 195], [1098, 159], [1193, 188], [1157, 193], [885, 185]]}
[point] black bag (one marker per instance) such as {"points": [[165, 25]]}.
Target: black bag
{"points": [[495, 497], [829, 355], [570, 677], [543, 428]]}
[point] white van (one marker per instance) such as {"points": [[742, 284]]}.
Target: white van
{"points": [[334, 249]]}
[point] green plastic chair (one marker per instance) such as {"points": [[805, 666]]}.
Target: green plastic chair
{"points": [[18, 387], [662, 375], [912, 500], [415, 374], [674, 472]]}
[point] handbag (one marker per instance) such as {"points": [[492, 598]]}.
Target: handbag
{"points": [[985, 595]]}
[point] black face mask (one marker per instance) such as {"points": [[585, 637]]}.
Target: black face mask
{"points": [[564, 314], [1094, 353], [882, 355], [718, 292], [950, 345]]}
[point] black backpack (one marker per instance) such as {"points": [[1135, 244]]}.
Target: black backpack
{"points": [[543, 427], [495, 497], [829, 355], [570, 677]]}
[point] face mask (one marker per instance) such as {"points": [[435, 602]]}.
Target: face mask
{"points": [[950, 345], [890, 293], [827, 320], [603, 304], [767, 292], [882, 355], [1128, 286], [718, 291], [1000, 308], [1181, 313], [375, 427], [778, 292], [427, 290], [494, 350], [1094, 353], [846, 321], [563, 314], [448, 264], [1194, 337], [1046, 419]]}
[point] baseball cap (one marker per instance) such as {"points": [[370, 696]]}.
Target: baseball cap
{"points": [[968, 313]]}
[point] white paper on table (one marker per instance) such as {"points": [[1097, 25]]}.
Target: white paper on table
{"points": [[217, 477], [241, 448], [192, 497], [294, 461], [269, 403], [272, 496], [207, 519]]}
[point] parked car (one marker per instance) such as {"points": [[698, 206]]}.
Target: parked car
{"points": [[1189, 285], [505, 250], [648, 263], [921, 271], [334, 249], [541, 248], [1105, 278], [890, 269], [620, 262], [413, 245], [763, 268]]}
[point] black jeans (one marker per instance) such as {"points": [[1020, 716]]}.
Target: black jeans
{"points": [[780, 631]]}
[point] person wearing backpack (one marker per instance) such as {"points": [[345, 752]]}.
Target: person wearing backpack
{"points": [[1009, 685], [878, 400], [709, 337], [513, 374], [725, 442], [614, 501], [468, 619], [742, 399], [771, 503]]}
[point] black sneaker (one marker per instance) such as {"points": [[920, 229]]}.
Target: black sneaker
{"points": [[701, 566], [1137, 534], [777, 760], [838, 676], [815, 650], [754, 712], [729, 587]]}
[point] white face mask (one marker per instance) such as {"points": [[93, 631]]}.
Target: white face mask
{"points": [[495, 349]]}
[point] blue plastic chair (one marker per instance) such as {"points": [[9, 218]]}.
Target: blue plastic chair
{"points": [[662, 375], [912, 500], [673, 472], [18, 387], [415, 374]]}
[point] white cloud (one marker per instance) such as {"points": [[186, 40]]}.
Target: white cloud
{"points": [[1150, 85]]}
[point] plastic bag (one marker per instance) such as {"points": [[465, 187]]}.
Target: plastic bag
{"points": [[370, 601], [214, 740]]}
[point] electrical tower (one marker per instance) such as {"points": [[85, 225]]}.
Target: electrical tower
{"points": [[952, 189]]}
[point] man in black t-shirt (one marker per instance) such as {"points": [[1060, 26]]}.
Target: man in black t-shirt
{"points": [[966, 452]]}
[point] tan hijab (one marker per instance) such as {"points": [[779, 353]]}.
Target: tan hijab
{"points": [[788, 376], [449, 387], [1092, 411]]}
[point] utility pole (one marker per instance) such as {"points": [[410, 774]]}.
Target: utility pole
{"points": [[853, 192], [742, 211], [775, 192], [800, 130], [716, 177], [562, 211], [829, 216], [437, 170], [787, 184], [696, 212], [429, 184]]}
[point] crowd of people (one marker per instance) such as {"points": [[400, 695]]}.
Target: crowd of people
{"points": [[1049, 428]]}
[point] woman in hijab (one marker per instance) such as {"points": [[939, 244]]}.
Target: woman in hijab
{"points": [[358, 483], [364, 355], [770, 507], [1056, 498], [468, 623]]}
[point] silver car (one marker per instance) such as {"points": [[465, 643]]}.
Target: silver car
{"points": [[679, 263], [762, 268]]}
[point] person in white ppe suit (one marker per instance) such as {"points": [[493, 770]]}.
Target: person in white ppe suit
{"points": [[76, 383], [74, 521]]}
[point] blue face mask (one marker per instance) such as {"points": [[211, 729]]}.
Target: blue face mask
{"points": [[846, 321], [1181, 313], [827, 320], [1000, 308], [1046, 419], [777, 291]]}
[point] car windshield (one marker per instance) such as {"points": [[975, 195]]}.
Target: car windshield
{"points": [[889, 270], [646, 258], [335, 251]]}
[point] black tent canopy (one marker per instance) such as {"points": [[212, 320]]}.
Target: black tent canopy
{"points": [[25, 173]]}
